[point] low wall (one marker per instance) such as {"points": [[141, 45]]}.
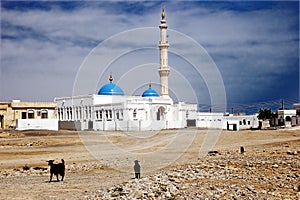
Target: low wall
{"points": [[37, 124], [69, 125], [133, 125]]}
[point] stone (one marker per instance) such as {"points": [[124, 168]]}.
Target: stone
{"points": [[289, 152], [275, 166], [151, 194], [297, 188], [176, 180], [168, 194]]}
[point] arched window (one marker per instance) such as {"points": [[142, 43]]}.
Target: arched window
{"points": [[44, 114], [160, 113], [30, 114]]}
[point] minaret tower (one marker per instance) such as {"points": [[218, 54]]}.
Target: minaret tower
{"points": [[164, 68]]}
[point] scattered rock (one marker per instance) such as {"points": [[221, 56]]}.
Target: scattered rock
{"points": [[212, 178], [275, 166], [213, 153]]}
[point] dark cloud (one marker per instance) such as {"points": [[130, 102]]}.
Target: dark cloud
{"points": [[255, 45]]}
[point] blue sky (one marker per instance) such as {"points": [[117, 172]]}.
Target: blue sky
{"points": [[255, 46]]}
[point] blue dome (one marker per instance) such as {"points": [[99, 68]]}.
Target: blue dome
{"points": [[111, 89], [150, 93]]}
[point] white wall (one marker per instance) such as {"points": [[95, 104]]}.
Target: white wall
{"points": [[37, 124], [211, 120], [219, 121]]}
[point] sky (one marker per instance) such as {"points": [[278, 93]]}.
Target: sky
{"points": [[250, 47]]}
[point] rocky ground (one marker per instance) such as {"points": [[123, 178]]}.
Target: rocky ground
{"points": [[268, 169], [261, 174]]}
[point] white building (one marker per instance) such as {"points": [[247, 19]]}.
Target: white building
{"points": [[28, 115], [287, 117], [226, 121], [110, 109]]}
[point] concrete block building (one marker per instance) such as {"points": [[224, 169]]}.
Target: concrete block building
{"points": [[28, 115]]}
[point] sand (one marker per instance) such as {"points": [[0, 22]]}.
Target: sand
{"points": [[96, 161]]}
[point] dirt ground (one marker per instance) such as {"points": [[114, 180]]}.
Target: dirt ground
{"points": [[96, 161]]}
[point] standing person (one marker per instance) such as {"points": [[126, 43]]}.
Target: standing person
{"points": [[137, 169]]}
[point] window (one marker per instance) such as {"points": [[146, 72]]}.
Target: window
{"points": [[110, 114], [30, 114], [68, 114], [240, 122], [90, 112], [117, 114], [23, 115], [97, 114], [134, 114], [86, 113], [44, 114], [106, 114], [248, 122], [121, 115], [100, 115]]}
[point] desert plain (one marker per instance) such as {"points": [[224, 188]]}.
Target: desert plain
{"points": [[175, 164]]}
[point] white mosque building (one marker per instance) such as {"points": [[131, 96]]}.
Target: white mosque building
{"points": [[111, 109]]}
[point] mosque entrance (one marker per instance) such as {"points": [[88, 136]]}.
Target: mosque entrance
{"points": [[90, 125], [161, 113]]}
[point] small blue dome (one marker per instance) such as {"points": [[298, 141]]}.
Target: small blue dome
{"points": [[111, 89], [150, 92]]}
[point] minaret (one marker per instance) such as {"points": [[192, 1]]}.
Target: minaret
{"points": [[164, 68]]}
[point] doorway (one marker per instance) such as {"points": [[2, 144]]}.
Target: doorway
{"points": [[1, 121]]}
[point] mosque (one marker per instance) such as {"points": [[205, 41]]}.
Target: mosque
{"points": [[111, 109]]}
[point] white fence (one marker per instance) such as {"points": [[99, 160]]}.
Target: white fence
{"points": [[37, 124]]}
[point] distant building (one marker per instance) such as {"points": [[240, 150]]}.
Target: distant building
{"points": [[233, 122], [28, 115], [287, 118], [297, 108]]}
